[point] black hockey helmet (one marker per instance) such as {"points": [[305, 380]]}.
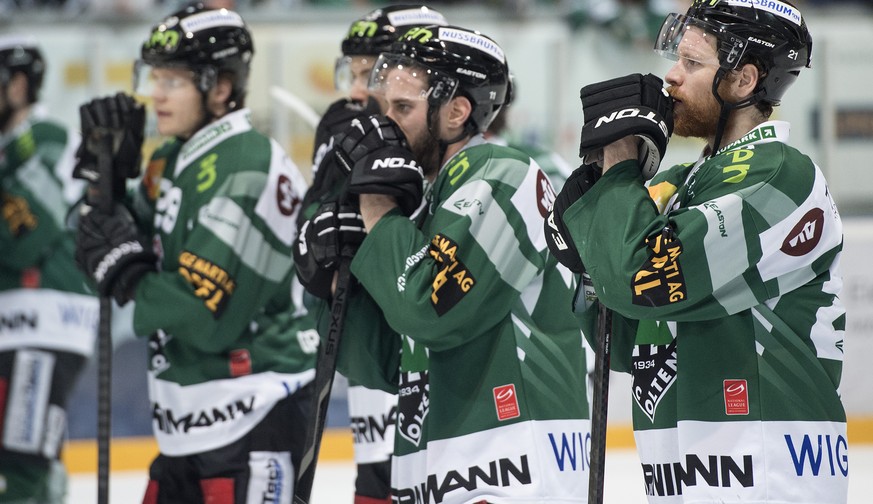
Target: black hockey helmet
{"points": [[377, 30], [207, 41], [773, 34], [458, 61], [22, 55]]}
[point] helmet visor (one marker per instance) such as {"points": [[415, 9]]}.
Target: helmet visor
{"points": [[351, 72], [149, 78], [416, 80], [687, 38]]}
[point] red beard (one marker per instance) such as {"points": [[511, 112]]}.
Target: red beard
{"points": [[694, 117]]}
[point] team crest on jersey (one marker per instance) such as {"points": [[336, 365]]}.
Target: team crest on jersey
{"points": [[654, 372], [805, 235], [286, 197], [413, 402], [454, 280], [660, 281], [545, 194]]}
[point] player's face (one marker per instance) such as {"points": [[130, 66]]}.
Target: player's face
{"points": [[177, 101], [360, 67], [406, 105], [695, 109]]}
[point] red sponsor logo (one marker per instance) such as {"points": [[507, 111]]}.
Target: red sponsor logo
{"points": [[240, 362], [805, 235], [736, 397], [545, 194], [286, 196], [506, 402]]}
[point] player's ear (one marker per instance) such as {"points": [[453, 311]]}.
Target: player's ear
{"points": [[219, 95], [460, 109], [747, 79]]}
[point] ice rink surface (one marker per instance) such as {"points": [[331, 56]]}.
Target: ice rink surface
{"points": [[334, 481]]}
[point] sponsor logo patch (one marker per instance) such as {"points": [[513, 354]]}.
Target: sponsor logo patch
{"points": [[805, 235], [240, 362], [454, 280], [660, 281], [671, 478], [736, 397], [436, 488], [506, 402], [211, 283]]}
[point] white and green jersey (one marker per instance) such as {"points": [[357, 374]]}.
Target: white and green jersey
{"points": [[724, 278], [492, 403], [225, 342]]}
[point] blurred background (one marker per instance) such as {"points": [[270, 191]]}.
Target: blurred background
{"points": [[553, 48]]}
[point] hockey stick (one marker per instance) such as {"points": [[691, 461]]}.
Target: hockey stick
{"points": [[294, 103], [105, 199], [599, 407], [324, 373]]}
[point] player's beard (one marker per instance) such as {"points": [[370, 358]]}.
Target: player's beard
{"points": [[695, 116], [425, 149]]}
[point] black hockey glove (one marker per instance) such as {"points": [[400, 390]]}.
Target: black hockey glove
{"points": [[376, 154], [110, 250], [557, 238], [632, 105], [328, 176], [336, 120], [334, 232], [120, 118]]}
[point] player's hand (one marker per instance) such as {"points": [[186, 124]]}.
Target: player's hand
{"points": [[375, 153], [557, 237], [632, 105], [334, 232], [122, 120], [110, 250]]}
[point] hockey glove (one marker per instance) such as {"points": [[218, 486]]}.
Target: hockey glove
{"points": [[557, 238], [336, 120], [328, 176], [110, 250], [122, 119], [334, 232], [632, 105], [378, 158]]}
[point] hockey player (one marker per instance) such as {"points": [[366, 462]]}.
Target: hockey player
{"points": [[229, 372], [724, 275], [492, 403], [47, 317], [372, 412]]}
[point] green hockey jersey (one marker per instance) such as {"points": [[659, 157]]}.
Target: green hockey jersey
{"points": [[492, 399], [724, 279], [44, 298], [225, 341], [48, 316]]}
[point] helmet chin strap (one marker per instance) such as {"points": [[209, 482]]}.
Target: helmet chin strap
{"points": [[727, 108], [468, 130]]}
